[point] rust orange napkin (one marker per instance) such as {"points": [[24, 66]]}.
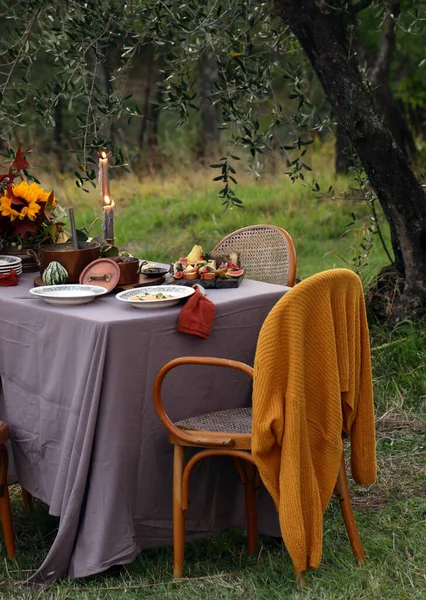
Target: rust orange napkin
{"points": [[196, 317], [10, 279]]}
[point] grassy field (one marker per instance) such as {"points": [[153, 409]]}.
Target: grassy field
{"points": [[161, 220]]}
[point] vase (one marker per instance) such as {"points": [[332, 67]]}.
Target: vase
{"points": [[26, 253]]}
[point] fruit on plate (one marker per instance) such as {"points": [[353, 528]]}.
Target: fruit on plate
{"points": [[234, 273], [178, 275], [195, 255], [189, 268], [55, 274]]}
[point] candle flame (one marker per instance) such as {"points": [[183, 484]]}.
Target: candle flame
{"points": [[104, 154], [109, 201]]}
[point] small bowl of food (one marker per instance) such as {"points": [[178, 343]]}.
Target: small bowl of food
{"points": [[154, 297], [153, 270]]}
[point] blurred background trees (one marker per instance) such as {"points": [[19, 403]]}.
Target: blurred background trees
{"points": [[75, 77], [169, 86]]}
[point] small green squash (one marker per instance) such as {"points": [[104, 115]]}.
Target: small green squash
{"points": [[55, 274]]}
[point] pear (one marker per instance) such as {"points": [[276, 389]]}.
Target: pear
{"points": [[195, 255]]}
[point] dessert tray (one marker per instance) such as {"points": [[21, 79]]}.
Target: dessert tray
{"points": [[211, 272]]}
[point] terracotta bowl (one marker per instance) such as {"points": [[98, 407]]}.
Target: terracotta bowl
{"points": [[74, 261]]}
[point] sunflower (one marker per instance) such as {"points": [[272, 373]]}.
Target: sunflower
{"points": [[31, 193], [30, 211], [6, 209]]}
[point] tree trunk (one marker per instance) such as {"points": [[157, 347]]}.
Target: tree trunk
{"points": [[401, 196], [384, 100], [209, 135], [343, 151]]}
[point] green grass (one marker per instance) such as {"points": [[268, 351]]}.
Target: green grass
{"points": [[161, 220]]}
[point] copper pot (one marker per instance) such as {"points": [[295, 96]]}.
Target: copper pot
{"points": [[129, 269], [74, 261]]}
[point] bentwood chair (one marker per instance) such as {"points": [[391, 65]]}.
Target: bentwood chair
{"points": [[266, 252], [227, 432], [5, 512]]}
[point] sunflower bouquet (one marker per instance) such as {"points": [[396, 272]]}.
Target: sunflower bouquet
{"points": [[27, 212]]}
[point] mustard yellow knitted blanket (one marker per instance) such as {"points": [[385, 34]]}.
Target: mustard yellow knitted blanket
{"points": [[313, 384]]}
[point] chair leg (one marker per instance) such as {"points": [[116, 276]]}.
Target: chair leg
{"points": [[342, 492], [5, 512], [178, 512], [27, 500], [300, 577], [251, 511]]}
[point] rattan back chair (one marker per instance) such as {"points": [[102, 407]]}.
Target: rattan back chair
{"points": [[266, 252], [227, 432]]}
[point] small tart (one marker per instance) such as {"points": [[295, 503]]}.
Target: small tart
{"points": [[208, 276]]}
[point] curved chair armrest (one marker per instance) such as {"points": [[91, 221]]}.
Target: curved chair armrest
{"points": [[191, 360]]}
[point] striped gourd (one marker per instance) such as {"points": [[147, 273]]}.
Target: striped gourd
{"points": [[55, 274]]}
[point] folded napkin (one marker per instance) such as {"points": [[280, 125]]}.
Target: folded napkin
{"points": [[196, 317], [10, 279]]}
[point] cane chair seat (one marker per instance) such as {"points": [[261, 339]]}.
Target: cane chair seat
{"points": [[234, 420], [266, 252]]}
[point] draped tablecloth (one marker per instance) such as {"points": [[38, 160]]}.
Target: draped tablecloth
{"points": [[85, 438]]}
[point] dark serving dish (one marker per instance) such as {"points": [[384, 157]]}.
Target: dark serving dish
{"points": [[155, 271]]}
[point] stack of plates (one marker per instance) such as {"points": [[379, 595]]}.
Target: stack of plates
{"points": [[7, 263]]}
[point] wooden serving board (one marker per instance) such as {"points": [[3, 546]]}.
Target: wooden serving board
{"points": [[143, 280], [208, 284]]}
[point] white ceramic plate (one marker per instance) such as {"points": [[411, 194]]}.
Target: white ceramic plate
{"points": [[7, 269], [17, 271], [68, 294], [8, 261], [178, 292]]}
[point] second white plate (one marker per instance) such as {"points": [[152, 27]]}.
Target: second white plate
{"points": [[174, 293]]}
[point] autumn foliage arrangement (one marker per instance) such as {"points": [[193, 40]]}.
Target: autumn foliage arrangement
{"points": [[27, 212]]}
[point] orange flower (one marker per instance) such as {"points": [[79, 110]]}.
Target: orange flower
{"points": [[30, 211], [6, 209], [31, 193]]}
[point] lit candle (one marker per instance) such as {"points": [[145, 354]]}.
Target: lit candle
{"points": [[107, 202], [103, 173], [108, 221]]}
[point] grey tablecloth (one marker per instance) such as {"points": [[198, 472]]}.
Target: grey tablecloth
{"points": [[77, 392]]}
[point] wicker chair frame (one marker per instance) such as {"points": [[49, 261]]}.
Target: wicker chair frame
{"points": [[266, 252], [5, 512], [235, 441]]}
